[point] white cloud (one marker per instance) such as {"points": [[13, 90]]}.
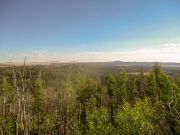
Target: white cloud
{"points": [[39, 52], [164, 53], [171, 45]]}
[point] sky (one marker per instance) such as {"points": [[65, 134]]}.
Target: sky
{"points": [[90, 30]]}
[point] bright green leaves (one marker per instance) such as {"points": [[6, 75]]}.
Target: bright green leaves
{"points": [[6, 87], [98, 122], [138, 119]]}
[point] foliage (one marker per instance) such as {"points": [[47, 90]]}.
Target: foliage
{"points": [[98, 122], [39, 100], [138, 119]]}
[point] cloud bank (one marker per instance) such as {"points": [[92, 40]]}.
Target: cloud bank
{"points": [[163, 53]]}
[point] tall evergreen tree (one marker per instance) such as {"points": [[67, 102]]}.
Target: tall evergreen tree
{"points": [[38, 105], [122, 87], [141, 84], [152, 85], [111, 90], [164, 84]]}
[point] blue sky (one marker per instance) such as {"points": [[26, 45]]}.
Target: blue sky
{"points": [[83, 26]]}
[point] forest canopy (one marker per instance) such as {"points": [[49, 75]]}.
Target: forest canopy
{"points": [[41, 101]]}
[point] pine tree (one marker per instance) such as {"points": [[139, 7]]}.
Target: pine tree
{"points": [[141, 84], [6, 93], [7, 121], [152, 86], [38, 105], [164, 84], [111, 90], [122, 87]]}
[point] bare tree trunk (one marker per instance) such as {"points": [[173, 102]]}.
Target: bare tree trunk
{"points": [[4, 106], [24, 100], [2, 132], [19, 101]]}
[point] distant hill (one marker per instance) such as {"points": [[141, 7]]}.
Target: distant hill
{"points": [[100, 68], [113, 63]]}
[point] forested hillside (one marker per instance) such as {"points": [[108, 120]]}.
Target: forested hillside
{"points": [[40, 101]]}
